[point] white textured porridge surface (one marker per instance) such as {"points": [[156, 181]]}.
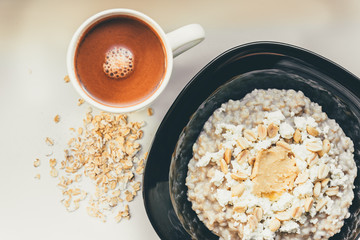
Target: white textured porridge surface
{"points": [[323, 176]]}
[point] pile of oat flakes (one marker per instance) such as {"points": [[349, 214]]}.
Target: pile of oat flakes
{"points": [[104, 152]]}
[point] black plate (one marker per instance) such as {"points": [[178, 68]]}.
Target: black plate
{"points": [[232, 75]]}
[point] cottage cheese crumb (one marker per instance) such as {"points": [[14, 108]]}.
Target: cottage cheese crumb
{"points": [[286, 130], [274, 117], [290, 227], [218, 178], [223, 197]]}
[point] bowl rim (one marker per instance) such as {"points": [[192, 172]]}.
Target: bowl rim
{"points": [[351, 84]]}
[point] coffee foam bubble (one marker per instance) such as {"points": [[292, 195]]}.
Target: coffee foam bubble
{"points": [[119, 62]]}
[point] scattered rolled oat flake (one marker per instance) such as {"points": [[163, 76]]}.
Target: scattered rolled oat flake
{"points": [[53, 172], [37, 163], [57, 119], [52, 162], [129, 196], [49, 141], [105, 151], [150, 111], [80, 101], [49, 154], [67, 78], [123, 214], [37, 176]]}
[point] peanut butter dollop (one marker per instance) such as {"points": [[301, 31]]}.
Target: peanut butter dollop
{"points": [[274, 172]]}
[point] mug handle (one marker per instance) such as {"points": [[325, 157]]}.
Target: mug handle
{"points": [[184, 38]]}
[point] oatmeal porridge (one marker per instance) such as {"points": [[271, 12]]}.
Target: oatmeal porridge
{"points": [[272, 166]]}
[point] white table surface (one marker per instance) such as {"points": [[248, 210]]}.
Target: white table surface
{"points": [[33, 41]]}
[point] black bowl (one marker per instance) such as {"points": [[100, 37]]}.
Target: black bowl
{"points": [[232, 75]]}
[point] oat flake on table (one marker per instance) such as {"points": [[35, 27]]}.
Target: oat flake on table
{"points": [[104, 153]]}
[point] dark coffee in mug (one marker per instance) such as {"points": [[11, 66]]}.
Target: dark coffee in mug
{"points": [[120, 61]]}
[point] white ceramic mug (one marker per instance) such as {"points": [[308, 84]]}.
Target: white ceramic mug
{"points": [[175, 43]]}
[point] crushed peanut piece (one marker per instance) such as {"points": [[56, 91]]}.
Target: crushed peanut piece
{"points": [[326, 147], [227, 155], [272, 130], [314, 146], [297, 136], [243, 143], [302, 178], [243, 156], [223, 166], [37, 176], [283, 145], [250, 135], [312, 131], [239, 176], [312, 159]]}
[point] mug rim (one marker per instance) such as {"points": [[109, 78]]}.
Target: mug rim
{"points": [[70, 59]]}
